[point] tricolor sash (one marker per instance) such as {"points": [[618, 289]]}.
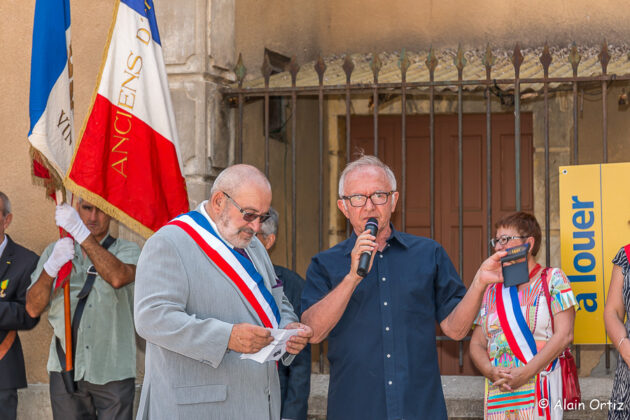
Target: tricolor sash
{"points": [[237, 268], [521, 339], [517, 332]]}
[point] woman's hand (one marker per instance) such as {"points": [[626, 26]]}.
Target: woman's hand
{"points": [[496, 374], [499, 377], [517, 377]]}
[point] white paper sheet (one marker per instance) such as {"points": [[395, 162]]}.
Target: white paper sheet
{"points": [[276, 349]]}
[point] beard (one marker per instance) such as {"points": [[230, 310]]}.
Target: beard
{"points": [[233, 234]]}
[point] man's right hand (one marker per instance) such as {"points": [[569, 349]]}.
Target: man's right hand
{"points": [[490, 270], [62, 252], [248, 338], [365, 243]]}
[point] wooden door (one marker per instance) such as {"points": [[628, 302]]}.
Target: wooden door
{"points": [[418, 216]]}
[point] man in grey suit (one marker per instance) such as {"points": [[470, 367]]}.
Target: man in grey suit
{"points": [[205, 291]]}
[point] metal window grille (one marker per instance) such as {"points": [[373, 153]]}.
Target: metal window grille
{"points": [[239, 93]]}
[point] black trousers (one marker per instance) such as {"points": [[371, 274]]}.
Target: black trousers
{"points": [[112, 401], [8, 404]]}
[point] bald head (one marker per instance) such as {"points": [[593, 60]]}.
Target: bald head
{"points": [[238, 193], [236, 177]]}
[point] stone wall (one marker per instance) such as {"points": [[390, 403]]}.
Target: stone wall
{"points": [[305, 29], [198, 43]]}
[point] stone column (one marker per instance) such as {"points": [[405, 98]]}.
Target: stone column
{"points": [[199, 50]]}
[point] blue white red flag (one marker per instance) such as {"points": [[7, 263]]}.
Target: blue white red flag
{"points": [[51, 132], [127, 161], [236, 267]]}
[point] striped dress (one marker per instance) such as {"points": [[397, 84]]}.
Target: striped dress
{"points": [[521, 403], [621, 386]]}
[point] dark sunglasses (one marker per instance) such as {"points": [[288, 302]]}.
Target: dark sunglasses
{"points": [[248, 216]]}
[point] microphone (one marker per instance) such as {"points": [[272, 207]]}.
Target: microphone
{"points": [[364, 261]]}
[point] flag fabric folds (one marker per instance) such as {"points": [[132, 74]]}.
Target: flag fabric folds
{"points": [[127, 161], [51, 131]]}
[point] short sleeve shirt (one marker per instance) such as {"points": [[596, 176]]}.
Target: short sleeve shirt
{"points": [[382, 352], [621, 259], [106, 341], [535, 312]]}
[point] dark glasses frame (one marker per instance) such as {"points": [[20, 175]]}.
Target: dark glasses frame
{"points": [[360, 200], [504, 239], [248, 216]]}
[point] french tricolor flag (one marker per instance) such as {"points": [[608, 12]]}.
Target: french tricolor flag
{"points": [[51, 132], [128, 161]]}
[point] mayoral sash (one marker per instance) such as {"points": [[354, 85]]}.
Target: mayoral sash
{"points": [[521, 339], [517, 332], [236, 267]]}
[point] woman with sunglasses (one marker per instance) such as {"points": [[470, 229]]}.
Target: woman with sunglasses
{"points": [[516, 343]]}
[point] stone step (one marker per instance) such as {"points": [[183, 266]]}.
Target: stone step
{"points": [[464, 398]]}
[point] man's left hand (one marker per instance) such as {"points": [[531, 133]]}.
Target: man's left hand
{"points": [[68, 218], [299, 341]]}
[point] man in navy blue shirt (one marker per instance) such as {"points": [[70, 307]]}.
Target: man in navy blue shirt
{"points": [[381, 328], [295, 379]]}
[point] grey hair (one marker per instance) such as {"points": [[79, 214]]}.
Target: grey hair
{"points": [[271, 225], [363, 162], [233, 177], [6, 204]]}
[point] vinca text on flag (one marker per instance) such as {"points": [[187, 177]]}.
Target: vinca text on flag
{"points": [[127, 162], [51, 131]]}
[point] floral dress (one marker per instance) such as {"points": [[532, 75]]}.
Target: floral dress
{"points": [[521, 403], [621, 386]]}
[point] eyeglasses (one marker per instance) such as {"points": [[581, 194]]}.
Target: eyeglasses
{"points": [[248, 216], [504, 239], [378, 198]]}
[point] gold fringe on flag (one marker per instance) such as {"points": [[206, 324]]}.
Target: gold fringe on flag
{"points": [[84, 193], [50, 184]]}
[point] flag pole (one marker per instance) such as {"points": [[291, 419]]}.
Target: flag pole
{"points": [[68, 326], [63, 273]]}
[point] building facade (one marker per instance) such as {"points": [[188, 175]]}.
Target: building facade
{"points": [[202, 40]]}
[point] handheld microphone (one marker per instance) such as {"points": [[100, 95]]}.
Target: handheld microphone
{"points": [[364, 261]]}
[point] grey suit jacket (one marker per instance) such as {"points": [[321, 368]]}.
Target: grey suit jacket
{"points": [[185, 308]]}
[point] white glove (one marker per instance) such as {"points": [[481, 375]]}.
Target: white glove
{"points": [[67, 218], [61, 254]]}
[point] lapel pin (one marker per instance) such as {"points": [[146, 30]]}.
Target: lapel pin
{"points": [[3, 286]]}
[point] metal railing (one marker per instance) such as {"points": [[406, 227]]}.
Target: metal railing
{"points": [[238, 94]]}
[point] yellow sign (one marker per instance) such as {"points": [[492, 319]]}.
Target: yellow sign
{"points": [[594, 225]]}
